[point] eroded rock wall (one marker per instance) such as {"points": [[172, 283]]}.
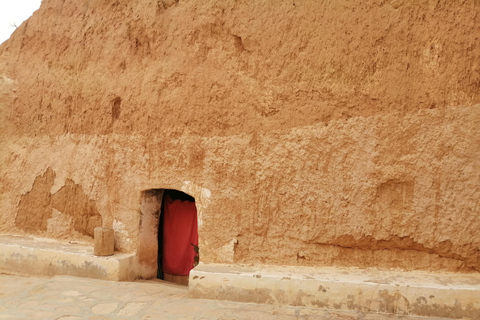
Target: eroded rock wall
{"points": [[310, 133]]}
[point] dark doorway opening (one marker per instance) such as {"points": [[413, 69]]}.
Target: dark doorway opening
{"points": [[177, 237]]}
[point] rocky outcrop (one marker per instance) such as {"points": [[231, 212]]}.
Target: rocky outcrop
{"points": [[310, 133]]}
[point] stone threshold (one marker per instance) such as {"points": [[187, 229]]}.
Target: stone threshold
{"points": [[46, 257], [434, 294]]}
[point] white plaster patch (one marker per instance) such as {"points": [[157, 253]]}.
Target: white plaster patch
{"points": [[82, 151], [121, 233], [202, 197], [227, 251]]}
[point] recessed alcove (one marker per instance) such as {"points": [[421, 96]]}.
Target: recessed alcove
{"points": [[168, 239]]}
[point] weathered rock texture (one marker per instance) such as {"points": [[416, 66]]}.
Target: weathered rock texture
{"points": [[342, 133]]}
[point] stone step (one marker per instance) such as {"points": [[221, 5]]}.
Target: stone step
{"points": [[49, 257], [448, 295]]}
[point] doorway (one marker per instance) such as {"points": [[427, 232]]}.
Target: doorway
{"points": [[177, 237]]}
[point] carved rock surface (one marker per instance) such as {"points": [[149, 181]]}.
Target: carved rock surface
{"points": [[309, 132]]}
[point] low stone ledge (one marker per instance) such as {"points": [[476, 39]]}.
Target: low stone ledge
{"points": [[448, 295], [44, 257]]}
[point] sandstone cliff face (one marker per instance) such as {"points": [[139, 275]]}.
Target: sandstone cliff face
{"points": [[309, 132]]}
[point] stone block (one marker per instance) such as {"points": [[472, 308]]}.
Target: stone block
{"points": [[104, 241]]}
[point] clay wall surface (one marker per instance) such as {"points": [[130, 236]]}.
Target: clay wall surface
{"points": [[317, 133]]}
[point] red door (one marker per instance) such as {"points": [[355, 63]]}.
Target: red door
{"points": [[180, 234]]}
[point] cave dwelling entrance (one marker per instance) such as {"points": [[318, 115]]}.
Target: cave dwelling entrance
{"points": [[173, 215]]}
